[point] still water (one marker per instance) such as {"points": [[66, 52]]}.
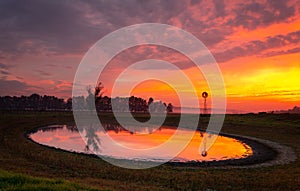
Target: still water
{"points": [[68, 138]]}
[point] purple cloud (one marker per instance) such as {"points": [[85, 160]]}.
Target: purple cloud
{"points": [[63, 27], [258, 47]]}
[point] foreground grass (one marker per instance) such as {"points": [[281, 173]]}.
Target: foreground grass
{"points": [[14, 181], [19, 155]]}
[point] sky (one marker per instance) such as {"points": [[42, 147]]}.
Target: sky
{"points": [[255, 43]]}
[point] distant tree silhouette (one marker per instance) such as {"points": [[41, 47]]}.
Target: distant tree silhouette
{"points": [[99, 90], [170, 108], [69, 104], [95, 97], [32, 102], [90, 99], [150, 100]]}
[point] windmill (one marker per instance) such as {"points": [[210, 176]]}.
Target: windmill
{"points": [[205, 95]]}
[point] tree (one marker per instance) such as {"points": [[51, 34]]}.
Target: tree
{"points": [[170, 108], [94, 97], [98, 95], [99, 90], [69, 104], [90, 99], [150, 101]]}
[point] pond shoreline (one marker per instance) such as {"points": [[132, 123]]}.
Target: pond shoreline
{"points": [[265, 153]]}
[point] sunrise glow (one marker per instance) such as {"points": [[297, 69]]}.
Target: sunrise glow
{"points": [[256, 46]]}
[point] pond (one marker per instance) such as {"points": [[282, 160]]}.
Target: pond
{"points": [[67, 137]]}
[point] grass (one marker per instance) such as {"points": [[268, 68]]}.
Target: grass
{"points": [[14, 181], [68, 171]]}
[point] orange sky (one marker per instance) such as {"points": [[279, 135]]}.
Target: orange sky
{"points": [[253, 83], [255, 43]]}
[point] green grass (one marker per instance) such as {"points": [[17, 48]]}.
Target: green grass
{"points": [[62, 170], [14, 181]]}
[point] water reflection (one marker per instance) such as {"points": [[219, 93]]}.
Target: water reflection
{"points": [[67, 137]]}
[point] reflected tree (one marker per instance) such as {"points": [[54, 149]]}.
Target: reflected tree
{"points": [[90, 125]]}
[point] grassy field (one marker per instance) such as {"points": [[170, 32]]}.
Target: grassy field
{"points": [[22, 161], [15, 181]]}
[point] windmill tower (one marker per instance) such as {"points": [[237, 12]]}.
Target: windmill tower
{"points": [[205, 95]]}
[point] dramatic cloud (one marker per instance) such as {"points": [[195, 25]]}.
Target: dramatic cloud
{"points": [[45, 26], [43, 41], [61, 27], [282, 52], [43, 73], [258, 47], [4, 66], [15, 87], [251, 14], [4, 72]]}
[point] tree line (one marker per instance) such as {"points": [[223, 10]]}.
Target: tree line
{"points": [[36, 102]]}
